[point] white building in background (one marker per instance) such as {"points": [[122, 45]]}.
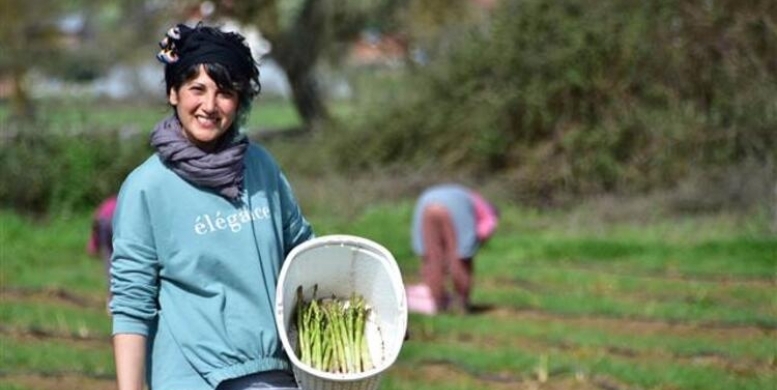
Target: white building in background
{"points": [[146, 80], [143, 81]]}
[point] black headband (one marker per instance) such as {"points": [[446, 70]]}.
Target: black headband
{"points": [[184, 46]]}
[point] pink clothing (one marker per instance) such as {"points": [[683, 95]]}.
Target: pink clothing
{"points": [[420, 300], [101, 221], [486, 218], [106, 208]]}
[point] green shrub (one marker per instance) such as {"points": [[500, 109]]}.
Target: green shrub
{"points": [[46, 171], [583, 96]]}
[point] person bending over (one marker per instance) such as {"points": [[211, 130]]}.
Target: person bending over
{"points": [[450, 223]]}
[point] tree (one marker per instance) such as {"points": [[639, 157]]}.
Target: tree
{"points": [[34, 35], [580, 96], [303, 33], [25, 38]]}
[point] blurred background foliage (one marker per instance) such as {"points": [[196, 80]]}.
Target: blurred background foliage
{"points": [[589, 96], [554, 101]]}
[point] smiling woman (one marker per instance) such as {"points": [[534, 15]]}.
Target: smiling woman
{"points": [[200, 232]]}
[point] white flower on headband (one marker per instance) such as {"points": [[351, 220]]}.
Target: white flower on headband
{"points": [[168, 54], [174, 33]]}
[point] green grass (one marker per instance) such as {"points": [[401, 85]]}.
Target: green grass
{"points": [[660, 305], [48, 254], [50, 356], [686, 274], [74, 115]]}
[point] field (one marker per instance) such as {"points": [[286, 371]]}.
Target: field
{"points": [[581, 299], [613, 294], [544, 105]]}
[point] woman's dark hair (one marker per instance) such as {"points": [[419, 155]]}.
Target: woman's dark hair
{"points": [[224, 56]]}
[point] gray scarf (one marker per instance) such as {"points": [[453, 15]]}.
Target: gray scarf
{"points": [[221, 170]]}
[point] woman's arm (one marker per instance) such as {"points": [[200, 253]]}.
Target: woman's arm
{"points": [[130, 353], [134, 284]]}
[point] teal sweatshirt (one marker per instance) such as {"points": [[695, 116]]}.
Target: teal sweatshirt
{"points": [[196, 273]]}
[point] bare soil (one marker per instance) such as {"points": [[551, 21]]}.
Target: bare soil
{"points": [[439, 371]]}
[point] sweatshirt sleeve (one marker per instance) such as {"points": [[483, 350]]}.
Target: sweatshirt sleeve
{"points": [[296, 229], [134, 265]]}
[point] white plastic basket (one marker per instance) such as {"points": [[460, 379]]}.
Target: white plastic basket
{"points": [[341, 265]]}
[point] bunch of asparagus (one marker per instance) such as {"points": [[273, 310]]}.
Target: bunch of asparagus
{"points": [[331, 333]]}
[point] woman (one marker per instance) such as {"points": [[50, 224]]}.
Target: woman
{"points": [[200, 232], [450, 223]]}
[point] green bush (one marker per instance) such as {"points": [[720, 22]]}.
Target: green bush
{"points": [[584, 96], [45, 171]]}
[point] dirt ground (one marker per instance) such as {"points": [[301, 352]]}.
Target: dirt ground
{"points": [[437, 372], [440, 371]]}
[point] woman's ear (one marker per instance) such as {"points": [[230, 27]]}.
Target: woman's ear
{"points": [[172, 97]]}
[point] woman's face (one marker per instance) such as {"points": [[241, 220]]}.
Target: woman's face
{"points": [[205, 111]]}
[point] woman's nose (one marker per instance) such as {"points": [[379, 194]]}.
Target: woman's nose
{"points": [[209, 102]]}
